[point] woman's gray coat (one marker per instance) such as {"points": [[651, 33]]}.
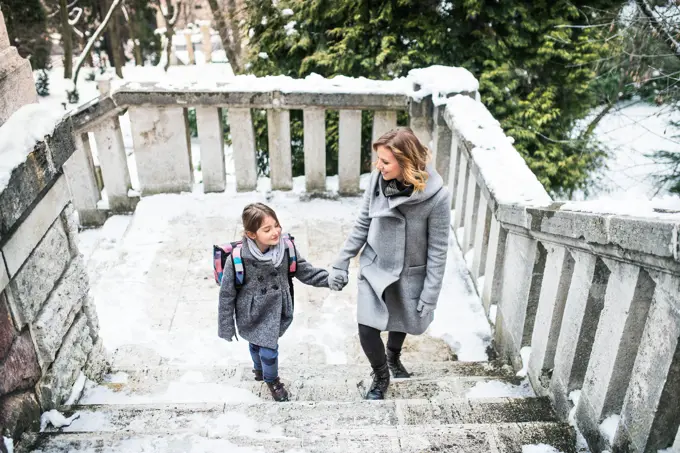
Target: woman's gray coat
{"points": [[262, 307], [403, 261]]}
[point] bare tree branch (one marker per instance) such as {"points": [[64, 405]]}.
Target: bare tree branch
{"points": [[660, 29]]}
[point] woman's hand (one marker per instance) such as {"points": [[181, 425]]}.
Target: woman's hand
{"points": [[337, 279], [424, 308]]}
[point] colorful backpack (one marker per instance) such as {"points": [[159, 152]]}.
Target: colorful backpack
{"points": [[233, 249]]}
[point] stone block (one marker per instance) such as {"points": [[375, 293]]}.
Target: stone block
{"points": [[17, 87], [55, 386], [61, 143], [7, 331], [37, 278], [31, 231], [577, 225], [98, 362], [59, 311], [20, 370], [655, 237], [19, 413]]}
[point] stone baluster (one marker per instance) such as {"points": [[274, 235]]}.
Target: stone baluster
{"points": [[243, 143], [523, 269], [650, 414], [442, 140], [315, 149], [582, 310], [80, 174], [461, 193], [454, 168], [559, 268], [626, 305], [471, 209], [420, 119], [211, 138], [280, 158], [383, 121], [114, 165], [207, 42], [481, 239], [349, 152], [162, 150], [190, 46], [493, 272]]}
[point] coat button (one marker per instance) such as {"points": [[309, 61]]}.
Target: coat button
{"points": [[377, 193], [274, 274], [264, 291], [275, 287], [260, 278]]}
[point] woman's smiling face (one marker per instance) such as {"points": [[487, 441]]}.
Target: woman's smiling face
{"points": [[387, 164]]}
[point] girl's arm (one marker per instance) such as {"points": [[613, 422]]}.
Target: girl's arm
{"points": [[310, 275], [225, 323]]}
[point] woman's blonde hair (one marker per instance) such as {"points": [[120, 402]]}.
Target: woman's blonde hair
{"points": [[410, 153]]}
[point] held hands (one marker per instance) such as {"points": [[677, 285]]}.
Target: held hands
{"points": [[337, 279], [424, 308]]}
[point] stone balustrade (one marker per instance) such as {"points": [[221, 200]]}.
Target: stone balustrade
{"points": [[595, 296]]}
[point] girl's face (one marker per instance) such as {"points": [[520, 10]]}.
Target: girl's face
{"points": [[268, 233], [387, 164]]}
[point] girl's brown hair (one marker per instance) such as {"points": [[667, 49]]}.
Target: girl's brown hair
{"points": [[254, 214], [410, 153]]}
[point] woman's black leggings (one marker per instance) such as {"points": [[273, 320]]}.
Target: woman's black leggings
{"points": [[373, 346]]}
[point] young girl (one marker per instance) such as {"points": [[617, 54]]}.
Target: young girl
{"points": [[263, 305]]}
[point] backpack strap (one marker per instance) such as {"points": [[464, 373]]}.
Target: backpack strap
{"points": [[239, 268], [292, 255]]}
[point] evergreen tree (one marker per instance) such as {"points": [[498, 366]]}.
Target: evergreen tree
{"points": [[535, 60]]}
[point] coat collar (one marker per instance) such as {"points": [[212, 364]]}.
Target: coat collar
{"points": [[382, 206]]}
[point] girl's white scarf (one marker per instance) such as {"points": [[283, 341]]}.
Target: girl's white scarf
{"points": [[275, 253]]}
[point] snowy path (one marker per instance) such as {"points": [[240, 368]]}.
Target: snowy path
{"points": [[152, 282]]}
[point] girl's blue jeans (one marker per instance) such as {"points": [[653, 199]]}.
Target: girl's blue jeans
{"points": [[265, 360]]}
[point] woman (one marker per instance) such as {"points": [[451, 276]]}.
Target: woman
{"points": [[404, 226]]}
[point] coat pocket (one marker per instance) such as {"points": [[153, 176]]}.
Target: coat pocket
{"points": [[261, 306], [415, 279]]}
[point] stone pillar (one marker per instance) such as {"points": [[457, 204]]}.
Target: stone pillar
{"points": [[17, 87], [420, 119], [522, 277], [481, 238], [559, 269], [207, 42], [162, 149], [442, 138], [581, 315], [80, 174], [493, 274], [114, 166], [211, 137], [280, 157], [383, 122], [452, 182], [471, 207], [626, 305], [650, 414], [349, 151], [315, 149], [243, 143], [190, 47], [461, 195]]}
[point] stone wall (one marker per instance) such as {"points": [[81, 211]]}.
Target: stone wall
{"points": [[48, 324]]}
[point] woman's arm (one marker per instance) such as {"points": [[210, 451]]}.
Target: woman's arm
{"points": [[225, 323], [438, 227]]}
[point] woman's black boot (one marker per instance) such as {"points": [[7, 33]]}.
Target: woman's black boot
{"points": [[381, 380], [395, 365]]}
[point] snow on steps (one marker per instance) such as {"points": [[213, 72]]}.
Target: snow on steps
{"points": [[462, 438]]}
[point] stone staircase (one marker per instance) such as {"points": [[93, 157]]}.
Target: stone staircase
{"points": [[429, 412]]}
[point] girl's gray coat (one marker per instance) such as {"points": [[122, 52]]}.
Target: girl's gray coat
{"points": [[403, 261], [263, 308]]}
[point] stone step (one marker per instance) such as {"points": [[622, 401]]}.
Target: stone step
{"points": [[300, 417], [186, 390], [457, 438], [304, 372]]}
